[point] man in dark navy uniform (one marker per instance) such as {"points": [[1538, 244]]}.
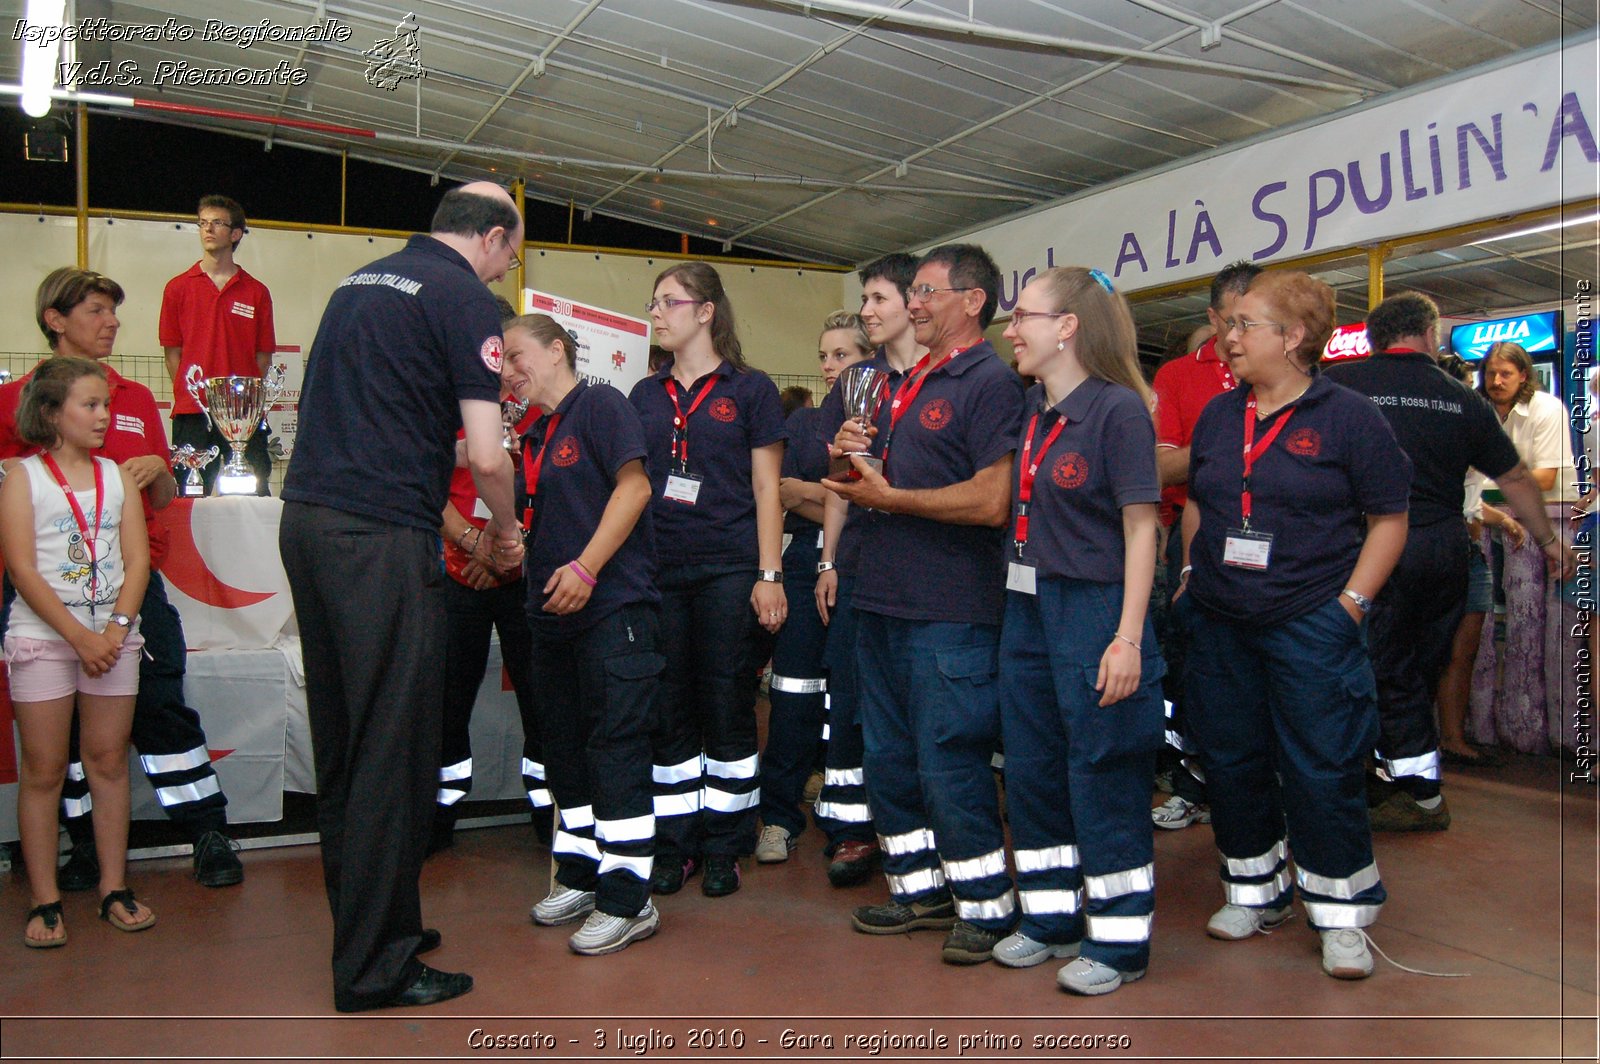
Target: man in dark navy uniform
{"points": [[409, 351], [1444, 427], [928, 650]]}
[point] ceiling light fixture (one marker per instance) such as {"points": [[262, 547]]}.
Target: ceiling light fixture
{"points": [[45, 18], [1585, 220]]}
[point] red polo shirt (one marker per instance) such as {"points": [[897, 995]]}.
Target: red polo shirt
{"points": [[1183, 387], [221, 330], [135, 431]]}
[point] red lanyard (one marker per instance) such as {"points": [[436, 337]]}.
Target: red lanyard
{"points": [[531, 464], [1251, 453], [77, 514], [680, 420], [907, 393], [1027, 471]]}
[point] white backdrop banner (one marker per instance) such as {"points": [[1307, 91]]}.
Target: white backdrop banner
{"points": [[223, 572], [1514, 138], [613, 348]]}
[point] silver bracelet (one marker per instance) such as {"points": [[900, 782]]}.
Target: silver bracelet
{"points": [[1130, 642]]}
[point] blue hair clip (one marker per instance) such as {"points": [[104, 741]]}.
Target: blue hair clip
{"points": [[1105, 282]]}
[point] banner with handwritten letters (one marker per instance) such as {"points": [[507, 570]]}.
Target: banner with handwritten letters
{"points": [[613, 348], [1511, 138]]}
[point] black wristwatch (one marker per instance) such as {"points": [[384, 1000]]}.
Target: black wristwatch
{"points": [[771, 576]]}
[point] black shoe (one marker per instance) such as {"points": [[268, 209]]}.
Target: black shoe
{"points": [[431, 940], [429, 988], [670, 872], [722, 875], [898, 918], [969, 944], [215, 862], [82, 870]]}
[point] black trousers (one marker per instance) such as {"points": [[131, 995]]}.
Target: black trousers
{"points": [[166, 731], [193, 430], [1410, 630], [707, 787], [595, 691], [369, 597], [472, 615]]}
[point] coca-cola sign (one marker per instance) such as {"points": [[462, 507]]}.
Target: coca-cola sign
{"points": [[1347, 342]]}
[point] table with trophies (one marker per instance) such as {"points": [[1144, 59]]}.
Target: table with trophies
{"points": [[244, 674]]}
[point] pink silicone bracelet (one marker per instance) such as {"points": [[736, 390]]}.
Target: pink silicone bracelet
{"points": [[582, 575]]}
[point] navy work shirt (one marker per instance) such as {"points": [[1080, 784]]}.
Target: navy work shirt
{"points": [[805, 458], [743, 412], [966, 417], [1334, 463], [402, 341], [597, 435], [1443, 425], [1104, 459]]}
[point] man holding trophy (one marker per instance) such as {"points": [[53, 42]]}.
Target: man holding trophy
{"points": [[928, 647], [216, 323], [408, 352]]}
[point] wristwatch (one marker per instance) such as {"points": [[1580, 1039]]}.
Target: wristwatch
{"points": [[825, 567], [123, 619], [1362, 602], [771, 576]]}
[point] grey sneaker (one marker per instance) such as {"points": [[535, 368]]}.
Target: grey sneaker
{"points": [[1345, 954], [563, 906], [604, 933], [1176, 812], [1087, 977], [1019, 951], [774, 845], [1234, 922], [969, 944]]}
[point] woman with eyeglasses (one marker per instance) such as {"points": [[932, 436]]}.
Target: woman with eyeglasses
{"points": [[1298, 497], [714, 429], [1080, 671], [797, 689]]}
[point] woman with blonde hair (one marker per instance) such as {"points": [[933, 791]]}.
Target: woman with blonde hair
{"points": [[1080, 696]]}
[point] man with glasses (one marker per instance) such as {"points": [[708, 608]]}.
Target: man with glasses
{"points": [[216, 321], [409, 352], [1183, 387], [929, 595]]}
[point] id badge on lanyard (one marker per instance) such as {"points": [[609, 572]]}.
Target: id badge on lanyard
{"points": [[1245, 547], [683, 487]]}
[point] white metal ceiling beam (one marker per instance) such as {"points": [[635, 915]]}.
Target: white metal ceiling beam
{"points": [[708, 132], [980, 31], [534, 69]]}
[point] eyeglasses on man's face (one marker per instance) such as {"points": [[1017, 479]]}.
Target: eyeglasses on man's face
{"points": [[207, 224], [925, 292], [516, 260]]}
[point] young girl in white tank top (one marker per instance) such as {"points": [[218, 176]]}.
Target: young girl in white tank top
{"points": [[73, 537]]}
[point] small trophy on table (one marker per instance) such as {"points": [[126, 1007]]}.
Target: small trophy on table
{"points": [[186, 457]]}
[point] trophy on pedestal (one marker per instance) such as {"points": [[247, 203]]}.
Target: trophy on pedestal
{"points": [[235, 406], [186, 457], [861, 387]]}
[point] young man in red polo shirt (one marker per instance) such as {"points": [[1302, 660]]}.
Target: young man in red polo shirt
{"points": [[1183, 387], [216, 321]]}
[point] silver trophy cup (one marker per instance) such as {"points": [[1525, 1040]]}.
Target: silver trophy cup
{"points": [[512, 411], [861, 387], [186, 457], [235, 406]]}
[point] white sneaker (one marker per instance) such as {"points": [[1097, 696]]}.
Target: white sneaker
{"points": [[774, 845], [1176, 812], [1345, 954], [1019, 951], [563, 906], [1234, 922], [1087, 977], [604, 933]]}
